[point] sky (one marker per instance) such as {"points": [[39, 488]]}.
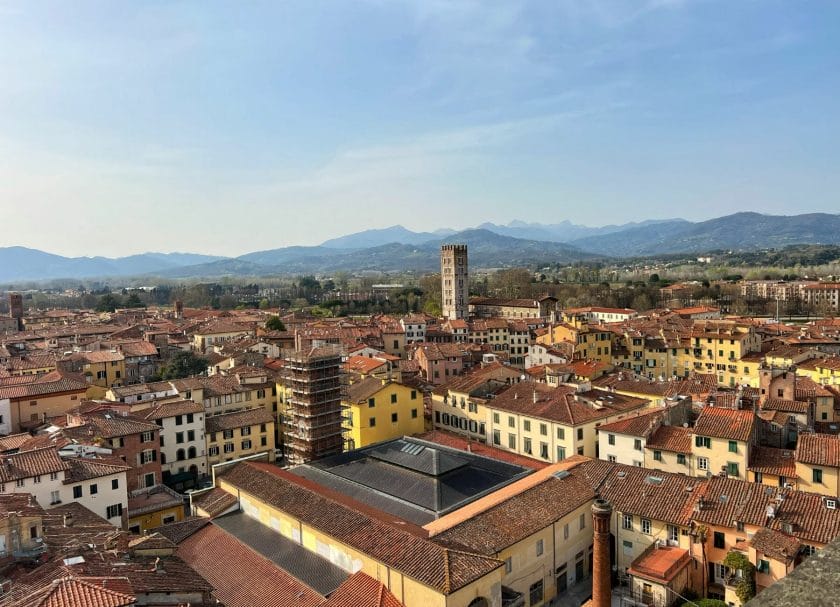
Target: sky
{"points": [[229, 127]]}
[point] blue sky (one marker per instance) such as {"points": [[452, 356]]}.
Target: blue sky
{"points": [[231, 127]]}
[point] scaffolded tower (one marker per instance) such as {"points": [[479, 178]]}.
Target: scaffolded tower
{"points": [[313, 412]]}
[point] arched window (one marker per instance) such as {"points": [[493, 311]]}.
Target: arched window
{"points": [[191, 452], [180, 455]]}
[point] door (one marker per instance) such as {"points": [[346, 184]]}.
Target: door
{"points": [[578, 571], [562, 582]]}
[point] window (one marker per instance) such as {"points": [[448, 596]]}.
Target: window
{"points": [[611, 439], [673, 533], [627, 521], [816, 475], [511, 441], [543, 429], [213, 451], [179, 437], [228, 447], [580, 434], [414, 395], [582, 521], [371, 402], [394, 418], [646, 526], [536, 592], [719, 540], [414, 414], [113, 511], [763, 566], [733, 446], [246, 444], [526, 425], [627, 547], [246, 431], [179, 420], [77, 492], [681, 459], [93, 489], [561, 453], [561, 434], [508, 565], [115, 483], [147, 456], [372, 422], [702, 463], [189, 416], [227, 434], [495, 417], [611, 458], [149, 479], [732, 468], [497, 437], [37, 478], [53, 476], [511, 421], [544, 450], [539, 547], [55, 498], [703, 441], [147, 437], [212, 437], [526, 445], [657, 456], [180, 455], [637, 444]]}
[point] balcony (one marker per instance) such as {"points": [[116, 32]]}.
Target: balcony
{"points": [[511, 598]]}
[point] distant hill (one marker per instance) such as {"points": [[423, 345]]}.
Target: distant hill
{"points": [[565, 231], [21, 263], [738, 232], [378, 237]]}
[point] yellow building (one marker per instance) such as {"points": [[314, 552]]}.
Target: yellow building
{"points": [[825, 371], [21, 525], [30, 405], [418, 571], [153, 507], [239, 434], [717, 347], [723, 439], [818, 464], [668, 449], [103, 369], [772, 467], [590, 342], [379, 410]]}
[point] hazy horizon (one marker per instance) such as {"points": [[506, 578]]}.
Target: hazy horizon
{"points": [[128, 127]]}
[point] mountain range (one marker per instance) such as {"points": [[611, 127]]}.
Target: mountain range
{"points": [[491, 246]]}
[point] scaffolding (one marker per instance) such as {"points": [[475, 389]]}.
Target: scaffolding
{"points": [[313, 414]]}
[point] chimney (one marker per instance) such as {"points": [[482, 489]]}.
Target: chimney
{"points": [[68, 520], [601, 568]]}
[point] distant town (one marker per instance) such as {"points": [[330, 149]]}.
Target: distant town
{"points": [[525, 436]]}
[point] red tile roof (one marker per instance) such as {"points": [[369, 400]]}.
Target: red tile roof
{"points": [[778, 462], [27, 464], [675, 439], [361, 590], [725, 423], [818, 450], [81, 592], [238, 419], [242, 577]]}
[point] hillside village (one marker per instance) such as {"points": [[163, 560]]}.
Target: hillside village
{"points": [[509, 453]]}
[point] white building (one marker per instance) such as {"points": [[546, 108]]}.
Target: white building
{"points": [[182, 445]]}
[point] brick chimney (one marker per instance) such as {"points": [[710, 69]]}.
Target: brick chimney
{"points": [[601, 570]]}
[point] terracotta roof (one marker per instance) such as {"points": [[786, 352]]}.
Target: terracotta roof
{"points": [[818, 450], [109, 425], [522, 515], [364, 364], [85, 468], [23, 504], [788, 406], [214, 502], [181, 530], [725, 423], [363, 389], [638, 491], [661, 564], [637, 425], [153, 541], [243, 577], [675, 439], [237, 419], [776, 545], [51, 383], [79, 592], [778, 462], [361, 590], [13, 441], [443, 569], [31, 463], [171, 409]]}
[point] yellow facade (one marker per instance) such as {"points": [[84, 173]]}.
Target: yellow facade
{"points": [[825, 372], [393, 411], [105, 374], [634, 534], [824, 480], [227, 445], [409, 591], [158, 518], [590, 343], [33, 410], [720, 354], [714, 455], [669, 461]]}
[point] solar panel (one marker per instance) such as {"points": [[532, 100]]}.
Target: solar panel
{"points": [[412, 448]]}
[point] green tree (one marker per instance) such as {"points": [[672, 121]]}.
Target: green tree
{"points": [[184, 364], [133, 301], [745, 587], [264, 304], [275, 324], [107, 303], [705, 603]]}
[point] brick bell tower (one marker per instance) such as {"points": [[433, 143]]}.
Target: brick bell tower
{"points": [[601, 570]]}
